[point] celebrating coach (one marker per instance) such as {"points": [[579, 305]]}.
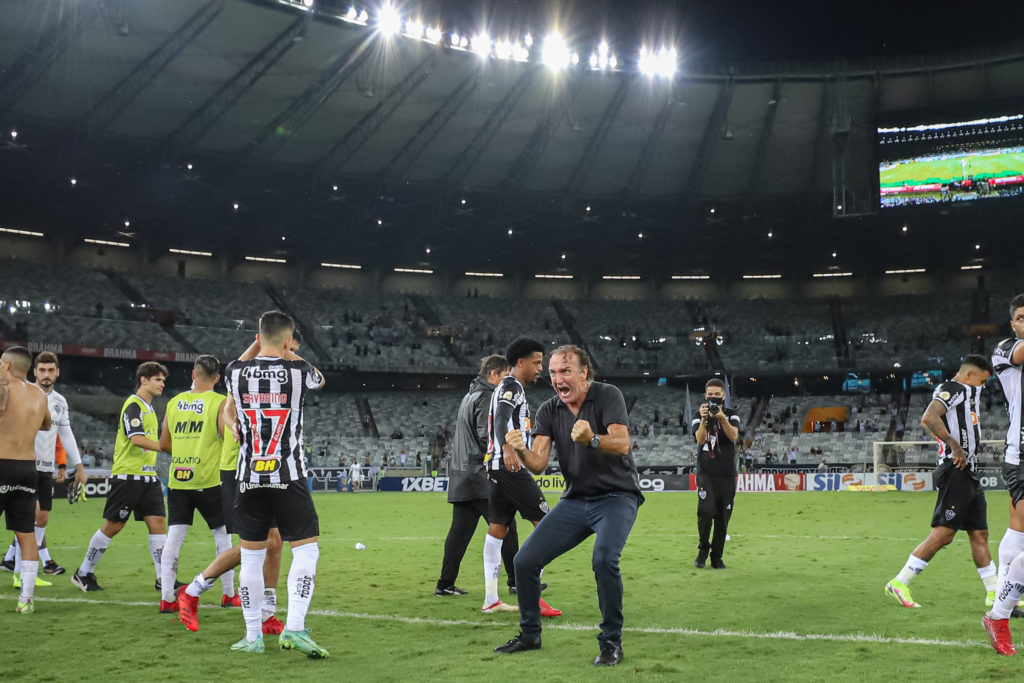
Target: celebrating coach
{"points": [[587, 421]]}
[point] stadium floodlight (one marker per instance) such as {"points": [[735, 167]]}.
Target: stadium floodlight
{"points": [[471, 273], [520, 53], [351, 15], [416, 271], [904, 271], [613, 62], [14, 134], [545, 276], [74, 181], [503, 49], [661, 63], [767, 276], [389, 21], [347, 266], [593, 61], [106, 243], [528, 40], [363, 18], [976, 266], [433, 35], [481, 44], [620, 277], [414, 28], [845, 274], [691, 277], [463, 42], [234, 206], [556, 53], [265, 259]]}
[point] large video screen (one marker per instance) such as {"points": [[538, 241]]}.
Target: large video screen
{"points": [[951, 161]]}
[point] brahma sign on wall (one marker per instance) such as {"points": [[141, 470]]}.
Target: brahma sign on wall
{"points": [[106, 352], [758, 481]]}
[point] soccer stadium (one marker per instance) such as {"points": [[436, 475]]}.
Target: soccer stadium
{"points": [[716, 270]]}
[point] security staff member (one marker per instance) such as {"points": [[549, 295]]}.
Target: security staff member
{"points": [[716, 432], [468, 486]]}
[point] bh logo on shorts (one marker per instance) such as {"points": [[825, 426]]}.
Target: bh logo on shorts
{"points": [[123, 514], [950, 514], [702, 494]]}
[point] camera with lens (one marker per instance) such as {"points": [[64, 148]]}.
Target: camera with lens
{"points": [[714, 406]]}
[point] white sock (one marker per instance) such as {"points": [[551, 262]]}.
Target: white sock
{"points": [[169, 560], [156, 551], [250, 587], [1011, 545], [9, 555], [913, 567], [269, 607], [492, 568], [17, 558], [222, 542], [199, 585], [29, 572], [98, 545], [988, 576], [44, 552], [1010, 589], [301, 582]]}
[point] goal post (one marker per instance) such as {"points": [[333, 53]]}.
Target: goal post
{"points": [[889, 455]]}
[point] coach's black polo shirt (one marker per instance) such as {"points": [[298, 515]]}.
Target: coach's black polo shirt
{"points": [[589, 472]]}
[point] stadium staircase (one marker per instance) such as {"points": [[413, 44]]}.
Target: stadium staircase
{"points": [[426, 310], [366, 421], [309, 337], [569, 323], [835, 309], [756, 413], [699, 317], [141, 309]]}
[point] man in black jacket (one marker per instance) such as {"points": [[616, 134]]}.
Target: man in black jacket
{"points": [[716, 432], [468, 486]]}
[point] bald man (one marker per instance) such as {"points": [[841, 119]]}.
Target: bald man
{"points": [[23, 412]]}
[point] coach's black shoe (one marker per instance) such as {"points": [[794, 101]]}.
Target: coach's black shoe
{"points": [[449, 590], [53, 568], [7, 565], [520, 643], [702, 558], [87, 583], [512, 589], [177, 584], [1017, 613], [610, 655], [718, 564]]}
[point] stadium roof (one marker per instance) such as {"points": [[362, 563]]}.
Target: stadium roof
{"points": [[274, 106]]}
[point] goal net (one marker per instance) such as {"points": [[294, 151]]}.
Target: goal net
{"points": [[888, 456]]}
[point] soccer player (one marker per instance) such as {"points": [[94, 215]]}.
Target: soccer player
{"points": [[468, 486], [134, 486], [23, 412], [190, 435], [224, 564], [1007, 361], [47, 370], [952, 418], [267, 388], [513, 488], [587, 423]]}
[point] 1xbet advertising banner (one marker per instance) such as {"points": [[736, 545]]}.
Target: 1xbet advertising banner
{"points": [[422, 484]]}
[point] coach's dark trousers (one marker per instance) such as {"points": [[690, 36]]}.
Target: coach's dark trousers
{"points": [[715, 496], [466, 515], [611, 518]]}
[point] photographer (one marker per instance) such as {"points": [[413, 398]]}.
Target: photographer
{"points": [[716, 432]]}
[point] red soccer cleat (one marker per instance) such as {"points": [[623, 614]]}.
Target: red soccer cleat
{"points": [[999, 635], [168, 607], [273, 626], [188, 610], [233, 601], [547, 610]]}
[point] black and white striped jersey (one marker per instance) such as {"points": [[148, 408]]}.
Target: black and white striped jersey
{"points": [[1012, 380], [961, 419], [509, 410], [269, 395]]}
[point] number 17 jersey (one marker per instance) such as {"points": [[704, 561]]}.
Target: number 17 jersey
{"points": [[269, 394]]}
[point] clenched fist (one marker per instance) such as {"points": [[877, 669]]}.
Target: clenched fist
{"points": [[581, 432], [514, 438]]}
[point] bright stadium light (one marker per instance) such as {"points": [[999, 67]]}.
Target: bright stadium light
{"points": [[556, 53], [503, 49], [433, 35], [661, 63], [363, 18], [481, 44], [414, 28], [389, 21]]}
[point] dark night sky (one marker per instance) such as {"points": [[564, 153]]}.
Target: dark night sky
{"points": [[759, 30]]}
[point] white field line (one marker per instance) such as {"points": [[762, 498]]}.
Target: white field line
{"points": [[700, 633]]}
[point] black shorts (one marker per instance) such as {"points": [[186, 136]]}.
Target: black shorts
{"points": [[228, 493], [961, 504], [144, 498], [289, 507], [18, 494], [44, 490], [513, 492], [182, 504], [1013, 475]]}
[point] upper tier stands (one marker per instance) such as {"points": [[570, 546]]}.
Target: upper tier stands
{"points": [[377, 331]]}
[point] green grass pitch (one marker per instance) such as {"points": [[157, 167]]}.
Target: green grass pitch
{"points": [[802, 600], [944, 170]]}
